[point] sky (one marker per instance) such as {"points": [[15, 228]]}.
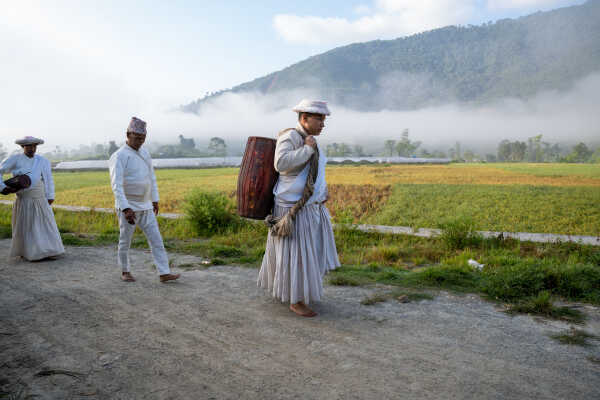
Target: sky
{"points": [[74, 72]]}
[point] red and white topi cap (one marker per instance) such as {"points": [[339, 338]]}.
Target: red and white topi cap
{"points": [[136, 125]]}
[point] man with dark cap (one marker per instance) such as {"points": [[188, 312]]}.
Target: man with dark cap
{"points": [[136, 200]]}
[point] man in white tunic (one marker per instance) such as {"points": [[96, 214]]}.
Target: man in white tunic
{"points": [[136, 200], [35, 235], [296, 261]]}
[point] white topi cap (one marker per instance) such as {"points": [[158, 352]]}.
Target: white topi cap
{"points": [[136, 125], [312, 106], [28, 140]]}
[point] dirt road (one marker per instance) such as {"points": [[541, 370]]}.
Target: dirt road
{"points": [[214, 335]]}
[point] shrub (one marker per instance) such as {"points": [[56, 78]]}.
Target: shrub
{"points": [[342, 280], [373, 267], [344, 216], [542, 305], [449, 276], [512, 282], [458, 233], [576, 337], [580, 282], [226, 251], [5, 232], [210, 213]]}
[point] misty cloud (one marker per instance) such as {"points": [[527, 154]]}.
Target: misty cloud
{"points": [[560, 116]]}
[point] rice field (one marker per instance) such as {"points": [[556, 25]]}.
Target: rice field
{"points": [[548, 198]]}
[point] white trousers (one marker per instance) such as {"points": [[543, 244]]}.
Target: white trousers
{"points": [[147, 222]]}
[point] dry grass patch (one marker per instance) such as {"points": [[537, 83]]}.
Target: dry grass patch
{"points": [[352, 203], [449, 174], [576, 337]]}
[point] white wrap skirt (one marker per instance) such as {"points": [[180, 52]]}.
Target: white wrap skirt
{"points": [[293, 266], [34, 232]]}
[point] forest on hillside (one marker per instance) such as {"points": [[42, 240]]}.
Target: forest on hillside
{"points": [[508, 58]]}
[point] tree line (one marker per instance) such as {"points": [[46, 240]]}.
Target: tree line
{"points": [[187, 147], [534, 150]]}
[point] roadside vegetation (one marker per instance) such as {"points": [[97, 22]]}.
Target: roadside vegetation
{"points": [[526, 277], [577, 337]]}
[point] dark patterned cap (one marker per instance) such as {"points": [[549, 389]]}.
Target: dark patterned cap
{"points": [[137, 126]]}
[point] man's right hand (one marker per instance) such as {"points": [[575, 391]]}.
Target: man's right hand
{"points": [[309, 140], [129, 215]]}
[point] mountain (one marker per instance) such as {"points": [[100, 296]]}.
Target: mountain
{"points": [[472, 64]]}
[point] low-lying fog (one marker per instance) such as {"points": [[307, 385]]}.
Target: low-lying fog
{"points": [[564, 117]]}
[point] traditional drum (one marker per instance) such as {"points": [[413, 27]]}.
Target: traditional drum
{"points": [[18, 182], [257, 178]]}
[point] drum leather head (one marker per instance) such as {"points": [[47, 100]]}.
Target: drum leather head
{"points": [[18, 182]]}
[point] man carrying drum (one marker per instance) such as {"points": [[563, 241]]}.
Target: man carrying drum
{"points": [[300, 245], [136, 200], [35, 235]]}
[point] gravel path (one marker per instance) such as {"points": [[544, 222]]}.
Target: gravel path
{"points": [[213, 334]]}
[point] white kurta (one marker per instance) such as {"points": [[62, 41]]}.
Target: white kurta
{"points": [[34, 232], [132, 179], [134, 185], [36, 167], [293, 266]]}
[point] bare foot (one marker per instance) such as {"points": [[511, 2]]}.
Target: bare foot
{"points": [[127, 277], [301, 309]]}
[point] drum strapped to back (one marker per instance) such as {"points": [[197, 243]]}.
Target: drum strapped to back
{"points": [[257, 178]]}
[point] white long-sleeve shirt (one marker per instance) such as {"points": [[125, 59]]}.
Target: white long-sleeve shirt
{"points": [[36, 167], [132, 179], [291, 161]]}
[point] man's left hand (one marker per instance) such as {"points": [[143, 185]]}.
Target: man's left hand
{"points": [[50, 201], [8, 190], [155, 207]]}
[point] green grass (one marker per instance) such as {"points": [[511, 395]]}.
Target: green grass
{"points": [[5, 232], [515, 272], [512, 208], [78, 180], [345, 280], [541, 305], [374, 299], [551, 169], [576, 337], [243, 244], [402, 296]]}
